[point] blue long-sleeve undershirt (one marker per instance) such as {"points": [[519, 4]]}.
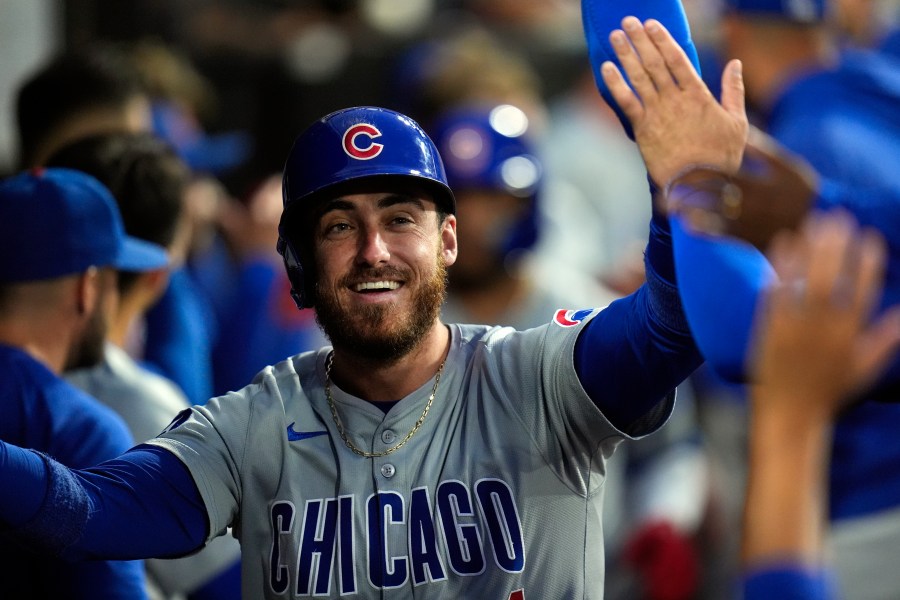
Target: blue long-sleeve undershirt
{"points": [[640, 347], [165, 516], [142, 504]]}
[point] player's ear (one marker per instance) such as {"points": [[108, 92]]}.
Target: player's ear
{"points": [[87, 291], [448, 239]]}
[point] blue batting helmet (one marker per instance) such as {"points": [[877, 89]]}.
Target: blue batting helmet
{"points": [[489, 148], [364, 144]]}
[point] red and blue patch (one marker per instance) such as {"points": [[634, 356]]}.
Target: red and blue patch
{"points": [[571, 318], [362, 151]]}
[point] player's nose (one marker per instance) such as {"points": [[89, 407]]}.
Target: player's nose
{"points": [[373, 248]]}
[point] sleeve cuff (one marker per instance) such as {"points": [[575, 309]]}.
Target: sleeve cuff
{"points": [[62, 518], [788, 582]]}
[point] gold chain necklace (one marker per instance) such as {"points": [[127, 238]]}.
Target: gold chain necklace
{"points": [[340, 424]]}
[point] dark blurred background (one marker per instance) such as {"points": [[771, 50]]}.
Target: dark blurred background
{"points": [[272, 66]]}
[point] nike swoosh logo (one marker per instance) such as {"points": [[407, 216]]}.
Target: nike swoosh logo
{"points": [[295, 436]]}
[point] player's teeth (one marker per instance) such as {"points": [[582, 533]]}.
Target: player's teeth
{"points": [[377, 285]]}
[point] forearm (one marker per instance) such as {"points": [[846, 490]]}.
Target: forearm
{"points": [[721, 278], [720, 281], [634, 353], [784, 510], [140, 505]]}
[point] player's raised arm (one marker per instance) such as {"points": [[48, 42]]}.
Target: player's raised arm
{"points": [[678, 125]]}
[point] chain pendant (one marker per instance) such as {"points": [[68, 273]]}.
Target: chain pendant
{"points": [[340, 425]]}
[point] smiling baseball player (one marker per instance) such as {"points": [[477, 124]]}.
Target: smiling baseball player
{"points": [[409, 459]]}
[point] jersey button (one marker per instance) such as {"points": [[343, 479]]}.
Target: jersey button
{"points": [[388, 470], [388, 437]]}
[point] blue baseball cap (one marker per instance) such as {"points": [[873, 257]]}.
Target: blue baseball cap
{"points": [[801, 11], [56, 222]]}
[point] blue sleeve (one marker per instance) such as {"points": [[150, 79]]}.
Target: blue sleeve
{"points": [[140, 505], [601, 17], [788, 583], [23, 471], [180, 329], [24, 483], [720, 279], [640, 346]]}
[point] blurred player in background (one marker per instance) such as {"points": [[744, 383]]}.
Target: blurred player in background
{"points": [[62, 239], [148, 182], [95, 90]]}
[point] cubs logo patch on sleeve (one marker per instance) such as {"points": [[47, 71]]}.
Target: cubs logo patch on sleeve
{"points": [[570, 318]]}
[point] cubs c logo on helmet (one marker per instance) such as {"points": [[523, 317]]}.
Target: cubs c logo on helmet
{"points": [[351, 146]]}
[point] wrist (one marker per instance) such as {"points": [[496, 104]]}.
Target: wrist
{"points": [[706, 196], [783, 422]]}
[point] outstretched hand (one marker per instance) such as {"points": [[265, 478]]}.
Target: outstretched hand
{"points": [[816, 344], [677, 122], [816, 347]]}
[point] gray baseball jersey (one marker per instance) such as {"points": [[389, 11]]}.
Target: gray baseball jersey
{"points": [[497, 496]]}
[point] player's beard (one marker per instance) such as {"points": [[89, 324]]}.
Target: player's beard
{"points": [[369, 332], [88, 349]]}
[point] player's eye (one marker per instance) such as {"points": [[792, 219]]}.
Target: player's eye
{"points": [[401, 219], [335, 228]]}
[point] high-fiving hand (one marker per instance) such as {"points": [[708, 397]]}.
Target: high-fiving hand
{"points": [[677, 122]]}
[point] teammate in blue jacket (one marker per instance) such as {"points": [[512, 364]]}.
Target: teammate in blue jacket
{"points": [[60, 237], [431, 460], [147, 180]]}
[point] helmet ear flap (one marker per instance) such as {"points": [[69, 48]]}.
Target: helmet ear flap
{"points": [[301, 289]]}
